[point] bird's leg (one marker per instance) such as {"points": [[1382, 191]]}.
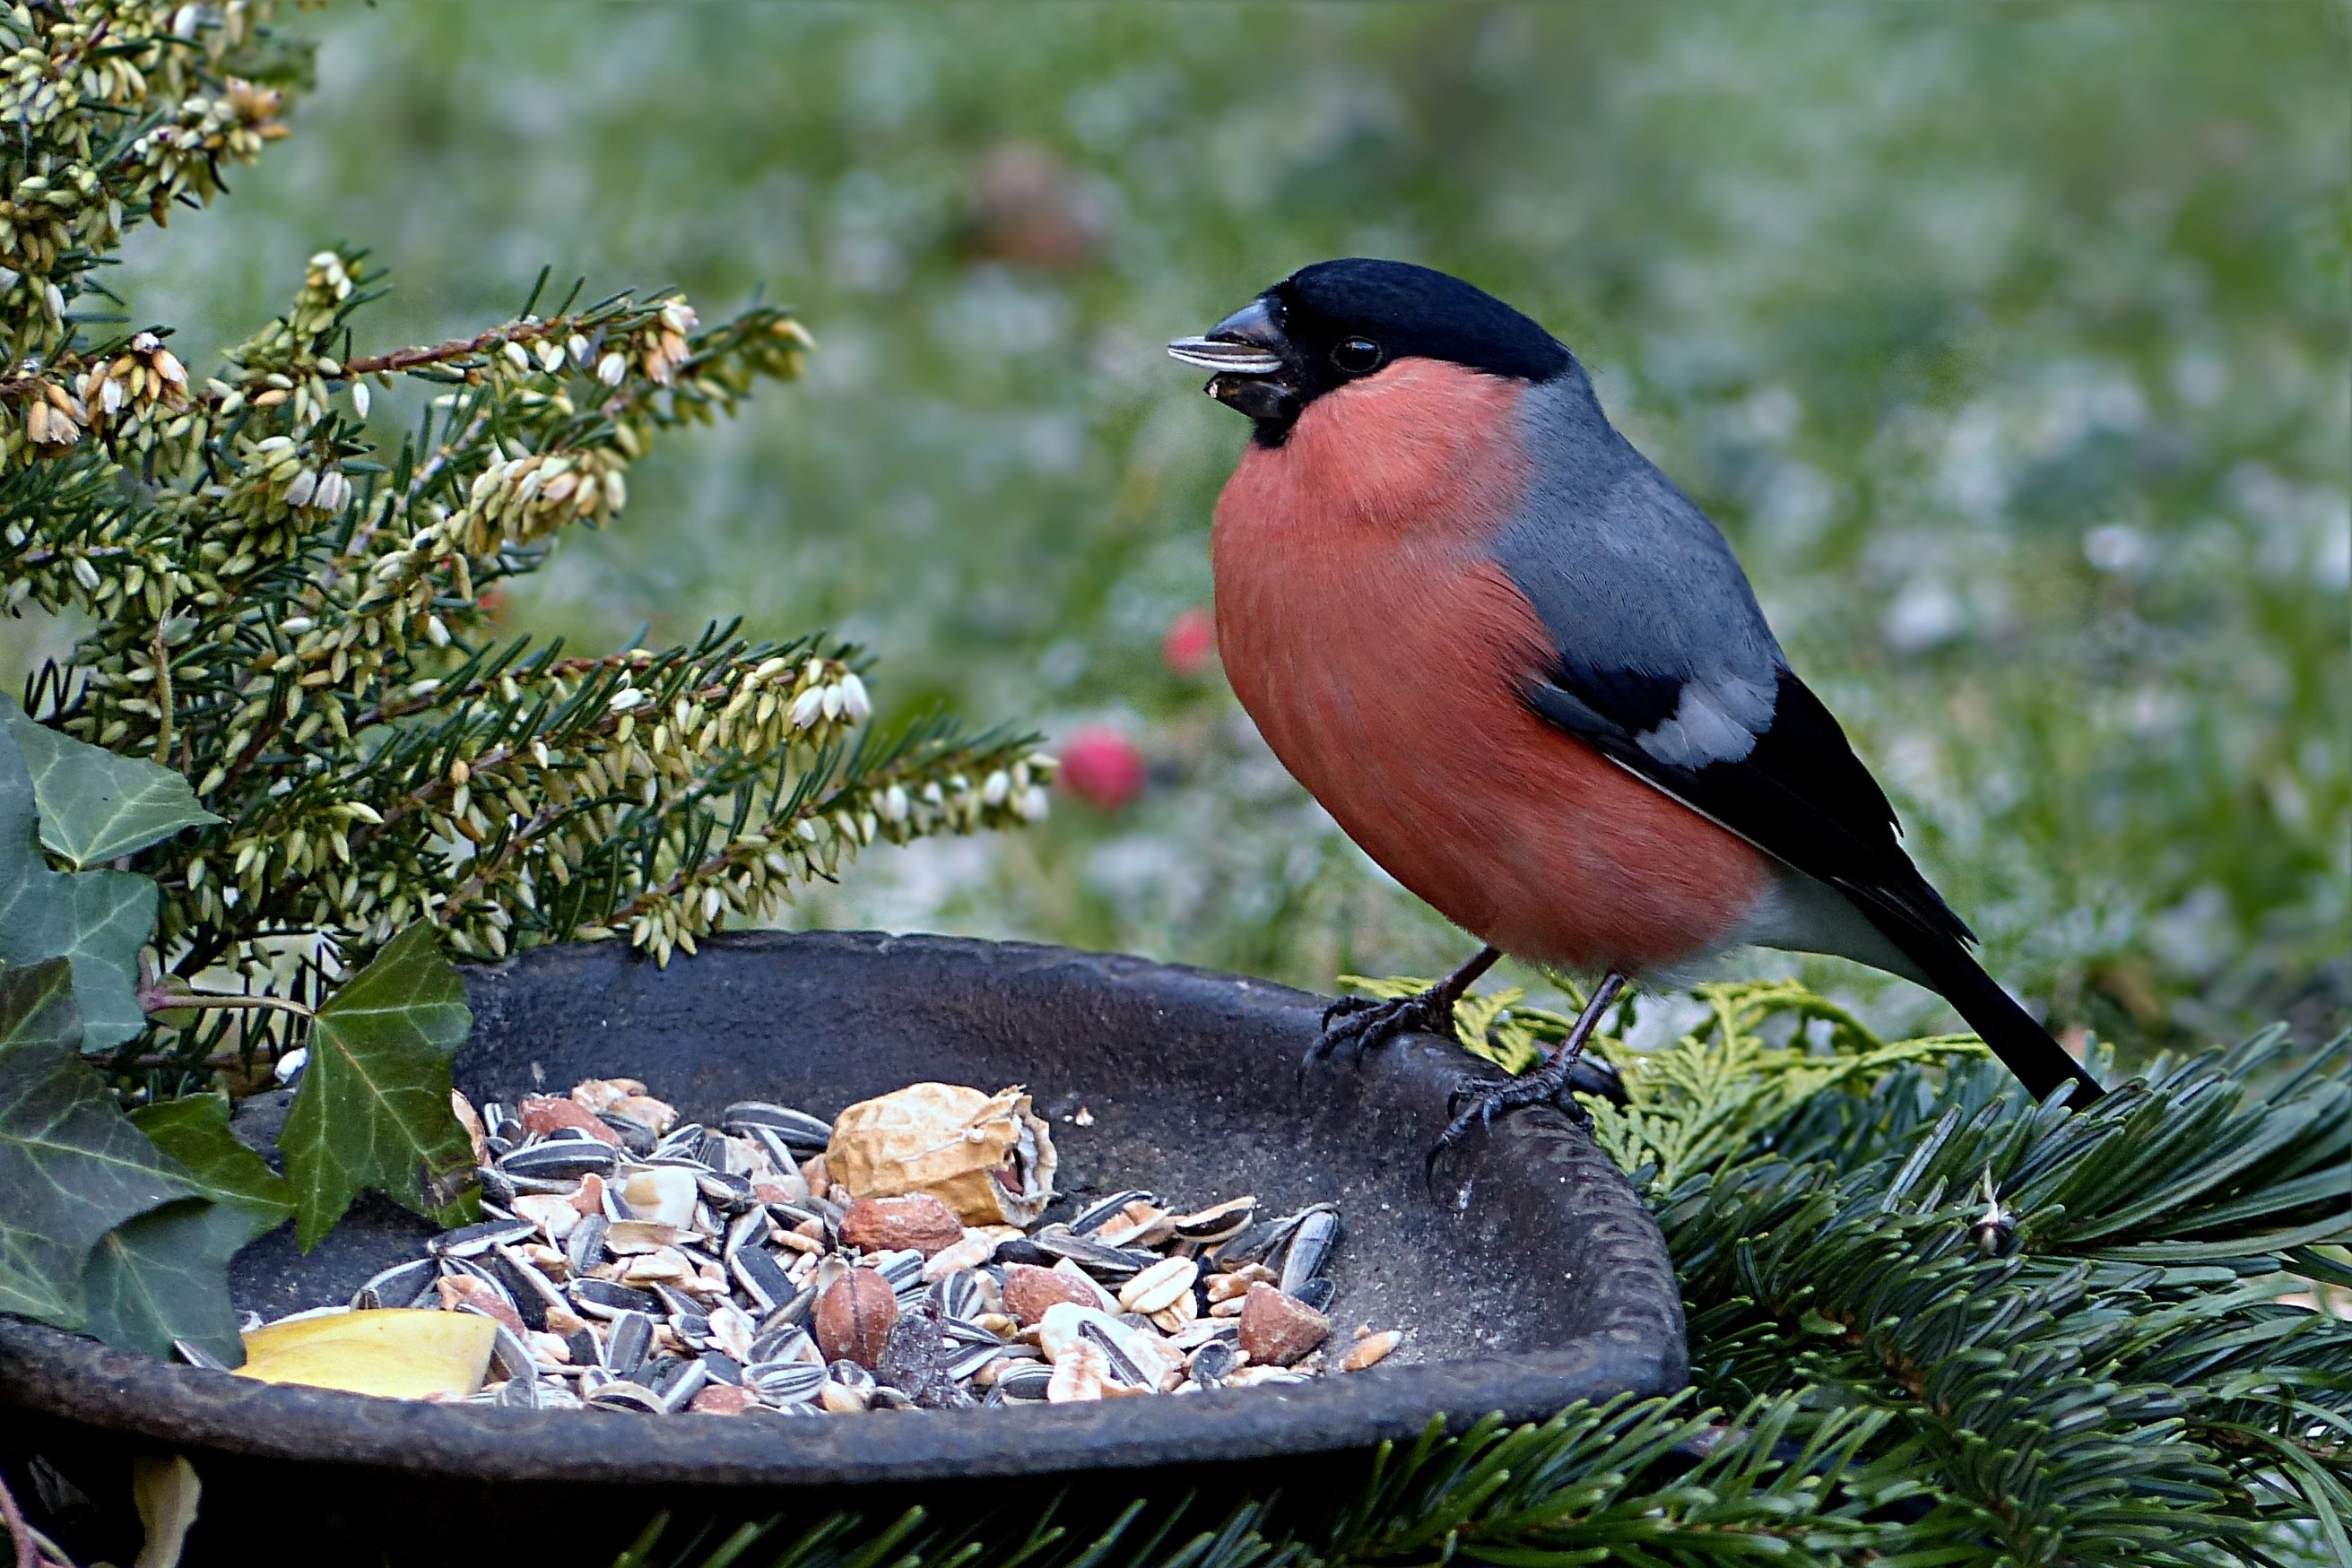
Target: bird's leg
{"points": [[1361, 1023], [1540, 1087]]}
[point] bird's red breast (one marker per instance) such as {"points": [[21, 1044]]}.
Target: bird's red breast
{"points": [[1381, 651]]}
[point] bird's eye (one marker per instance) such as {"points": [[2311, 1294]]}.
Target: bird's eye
{"points": [[1357, 355]]}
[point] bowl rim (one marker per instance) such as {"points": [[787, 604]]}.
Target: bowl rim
{"points": [[1639, 1348]]}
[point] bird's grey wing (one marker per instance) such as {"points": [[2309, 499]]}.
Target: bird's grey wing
{"points": [[1663, 662]]}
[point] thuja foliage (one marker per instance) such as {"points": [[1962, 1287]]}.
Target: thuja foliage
{"points": [[2122, 1357], [292, 760]]}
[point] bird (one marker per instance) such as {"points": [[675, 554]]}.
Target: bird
{"points": [[1528, 675]]}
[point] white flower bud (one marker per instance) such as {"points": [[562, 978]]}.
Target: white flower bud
{"points": [[998, 785], [518, 356], [360, 399], [624, 699], [895, 805], [807, 706], [611, 369], [298, 492], [1033, 804], [854, 700]]}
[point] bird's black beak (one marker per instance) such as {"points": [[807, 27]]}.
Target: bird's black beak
{"points": [[1255, 365]]}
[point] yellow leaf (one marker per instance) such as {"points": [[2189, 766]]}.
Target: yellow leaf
{"points": [[394, 1353]]}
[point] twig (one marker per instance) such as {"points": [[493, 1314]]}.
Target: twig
{"points": [[28, 1552], [161, 999], [456, 348], [163, 700]]}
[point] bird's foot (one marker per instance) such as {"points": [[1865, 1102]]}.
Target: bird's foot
{"points": [[1358, 1025], [1476, 1102]]}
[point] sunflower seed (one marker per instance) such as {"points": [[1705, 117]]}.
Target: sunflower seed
{"points": [[762, 1277], [638, 1137], [1096, 1215], [1216, 1222], [626, 1344], [1209, 1365], [584, 1248], [602, 1299], [473, 1240], [561, 1159], [625, 1395], [784, 1342], [1311, 1246], [1024, 1383], [798, 1130], [1111, 1263], [401, 1285], [784, 1382], [196, 1354]]}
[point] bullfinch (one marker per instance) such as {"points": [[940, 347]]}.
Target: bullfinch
{"points": [[1527, 676]]}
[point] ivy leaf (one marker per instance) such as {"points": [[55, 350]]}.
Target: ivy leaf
{"points": [[98, 919], [97, 804], [373, 1108], [165, 1275], [72, 1167]]}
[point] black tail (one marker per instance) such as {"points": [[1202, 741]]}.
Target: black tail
{"points": [[2024, 1047]]}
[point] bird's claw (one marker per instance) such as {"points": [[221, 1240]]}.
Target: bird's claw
{"points": [[1488, 1096], [1360, 1025]]}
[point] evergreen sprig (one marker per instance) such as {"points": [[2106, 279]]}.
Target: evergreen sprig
{"points": [[299, 620]]}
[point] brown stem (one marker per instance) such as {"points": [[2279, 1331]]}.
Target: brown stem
{"points": [[455, 349], [156, 998], [28, 1555], [163, 695]]}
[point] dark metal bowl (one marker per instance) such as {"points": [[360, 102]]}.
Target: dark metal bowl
{"points": [[1539, 1279]]}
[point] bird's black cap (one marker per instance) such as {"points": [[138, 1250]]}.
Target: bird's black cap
{"points": [[1410, 311], [1337, 321]]}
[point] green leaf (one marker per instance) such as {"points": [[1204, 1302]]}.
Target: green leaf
{"points": [[97, 804], [373, 1108], [195, 1133], [165, 1275], [98, 919], [72, 1167]]}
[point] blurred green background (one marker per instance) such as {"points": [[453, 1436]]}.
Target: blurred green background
{"points": [[2007, 344]]}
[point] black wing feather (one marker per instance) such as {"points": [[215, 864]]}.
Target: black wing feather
{"points": [[1803, 796]]}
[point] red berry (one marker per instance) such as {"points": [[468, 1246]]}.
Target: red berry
{"points": [[1102, 768], [1191, 643]]}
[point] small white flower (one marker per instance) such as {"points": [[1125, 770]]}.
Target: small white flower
{"points": [[360, 399], [624, 699], [854, 700], [807, 706], [611, 369], [998, 785], [305, 486], [1033, 804], [518, 356]]}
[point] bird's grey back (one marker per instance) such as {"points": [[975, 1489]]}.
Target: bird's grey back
{"points": [[1638, 589]]}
